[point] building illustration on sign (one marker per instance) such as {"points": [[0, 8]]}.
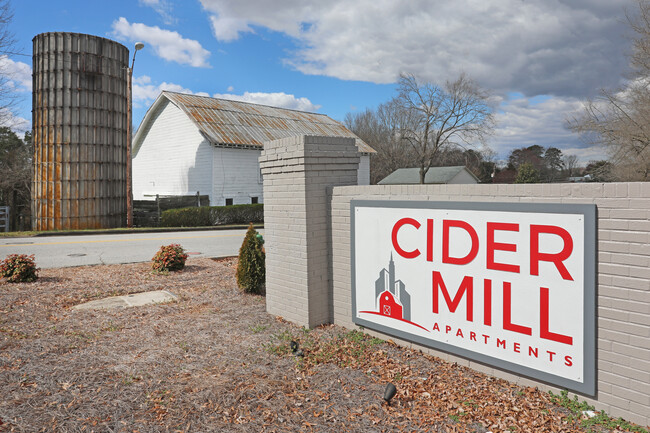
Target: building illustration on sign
{"points": [[392, 299]]}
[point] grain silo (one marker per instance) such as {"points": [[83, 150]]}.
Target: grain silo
{"points": [[79, 113]]}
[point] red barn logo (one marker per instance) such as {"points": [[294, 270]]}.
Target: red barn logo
{"points": [[392, 299], [388, 306]]}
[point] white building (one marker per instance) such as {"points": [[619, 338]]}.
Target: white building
{"points": [[189, 143]]}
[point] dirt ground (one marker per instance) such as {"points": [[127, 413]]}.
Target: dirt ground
{"points": [[214, 361]]}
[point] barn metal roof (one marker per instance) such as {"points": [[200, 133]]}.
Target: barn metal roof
{"points": [[241, 124]]}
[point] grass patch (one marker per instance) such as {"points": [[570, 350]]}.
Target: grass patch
{"points": [[350, 349], [24, 234], [601, 419], [258, 328], [279, 343]]}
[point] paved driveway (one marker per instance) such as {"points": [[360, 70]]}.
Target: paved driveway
{"points": [[78, 250]]}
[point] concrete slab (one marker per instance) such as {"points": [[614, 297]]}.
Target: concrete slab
{"points": [[133, 300]]}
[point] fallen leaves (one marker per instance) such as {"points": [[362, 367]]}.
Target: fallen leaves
{"points": [[215, 361]]}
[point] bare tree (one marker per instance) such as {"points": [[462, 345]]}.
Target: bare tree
{"points": [[570, 164], [7, 41], [425, 126], [618, 119], [434, 117], [380, 129], [640, 23]]}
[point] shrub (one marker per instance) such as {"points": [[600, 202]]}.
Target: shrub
{"points": [[251, 269], [186, 217], [169, 258], [212, 216], [19, 268], [238, 214]]}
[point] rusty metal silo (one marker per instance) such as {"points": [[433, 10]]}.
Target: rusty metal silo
{"points": [[79, 114]]}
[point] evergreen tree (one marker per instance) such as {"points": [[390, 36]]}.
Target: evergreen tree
{"points": [[251, 269], [527, 174]]}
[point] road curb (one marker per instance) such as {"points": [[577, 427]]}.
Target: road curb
{"points": [[152, 230]]}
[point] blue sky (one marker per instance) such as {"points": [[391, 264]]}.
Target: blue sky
{"points": [[539, 59]]}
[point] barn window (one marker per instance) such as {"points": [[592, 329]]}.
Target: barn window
{"points": [[253, 200], [228, 202]]}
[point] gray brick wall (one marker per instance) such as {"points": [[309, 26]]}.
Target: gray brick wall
{"points": [[297, 172], [623, 353]]}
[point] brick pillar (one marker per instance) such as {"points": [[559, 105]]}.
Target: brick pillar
{"points": [[298, 172]]}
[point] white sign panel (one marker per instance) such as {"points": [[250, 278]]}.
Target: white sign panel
{"points": [[504, 284]]}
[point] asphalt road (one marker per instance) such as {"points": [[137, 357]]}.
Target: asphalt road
{"points": [[64, 251]]}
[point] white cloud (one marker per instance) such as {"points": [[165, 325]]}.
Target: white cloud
{"points": [[16, 123], [167, 44], [565, 49], [558, 47], [17, 75], [144, 93], [17, 78], [281, 99], [523, 122], [228, 29], [162, 8], [143, 79]]}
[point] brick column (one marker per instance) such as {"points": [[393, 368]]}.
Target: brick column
{"points": [[297, 172]]}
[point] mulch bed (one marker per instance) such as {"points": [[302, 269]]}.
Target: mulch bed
{"points": [[214, 361]]}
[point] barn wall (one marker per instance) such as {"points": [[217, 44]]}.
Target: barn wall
{"points": [[236, 175], [174, 158]]}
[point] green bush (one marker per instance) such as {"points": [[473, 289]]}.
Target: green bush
{"points": [[212, 215], [169, 258], [527, 173], [251, 269], [19, 268], [186, 217]]}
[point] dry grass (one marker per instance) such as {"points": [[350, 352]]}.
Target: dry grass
{"points": [[215, 361]]}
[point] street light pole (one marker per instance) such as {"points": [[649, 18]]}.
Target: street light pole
{"points": [[129, 138]]}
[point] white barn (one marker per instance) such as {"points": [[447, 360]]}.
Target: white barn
{"points": [[189, 143]]}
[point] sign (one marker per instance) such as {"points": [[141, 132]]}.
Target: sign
{"points": [[505, 284]]}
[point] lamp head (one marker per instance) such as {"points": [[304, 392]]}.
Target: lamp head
{"points": [[389, 392], [139, 46]]}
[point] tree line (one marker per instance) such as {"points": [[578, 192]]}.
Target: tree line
{"points": [[426, 126]]}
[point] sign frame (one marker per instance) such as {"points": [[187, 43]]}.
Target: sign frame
{"points": [[589, 213]]}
